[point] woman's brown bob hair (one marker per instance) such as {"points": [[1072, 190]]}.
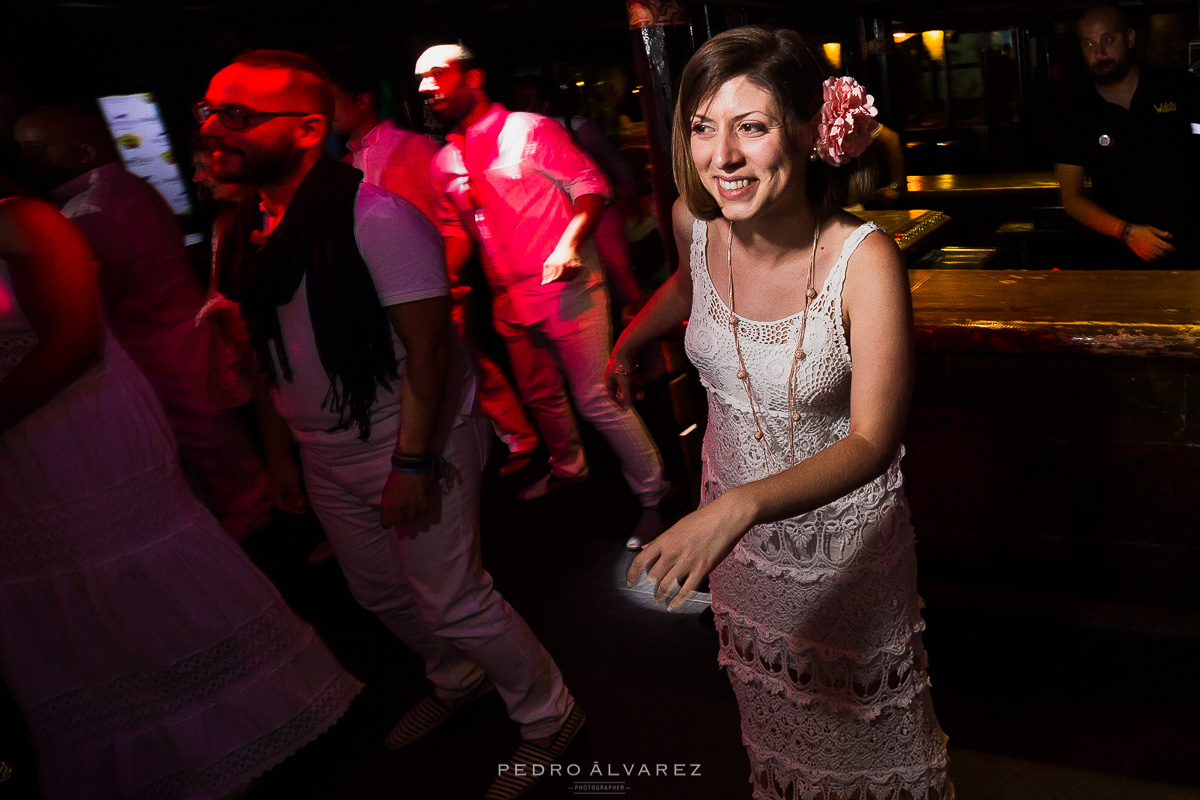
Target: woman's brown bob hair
{"points": [[792, 70]]}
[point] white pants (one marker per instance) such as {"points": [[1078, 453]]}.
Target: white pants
{"points": [[574, 346], [426, 582]]}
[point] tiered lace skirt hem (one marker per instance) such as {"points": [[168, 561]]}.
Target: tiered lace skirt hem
{"points": [[148, 655], [829, 672]]}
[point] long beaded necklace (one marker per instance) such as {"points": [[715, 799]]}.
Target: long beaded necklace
{"points": [[798, 355]]}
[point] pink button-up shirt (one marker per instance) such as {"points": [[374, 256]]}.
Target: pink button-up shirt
{"points": [[510, 184]]}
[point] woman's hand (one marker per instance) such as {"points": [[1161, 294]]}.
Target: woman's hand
{"points": [[618, 380], [678, 560], [663, 314]]}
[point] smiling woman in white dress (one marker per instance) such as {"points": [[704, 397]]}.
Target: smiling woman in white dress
{"points": [[148, 655], [800, 326]]}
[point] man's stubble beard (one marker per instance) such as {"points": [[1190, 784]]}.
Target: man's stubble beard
{"points": [[455, 112], [262, 169], [1113, 73], [450, 118]]}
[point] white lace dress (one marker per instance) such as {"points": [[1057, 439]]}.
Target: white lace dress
{"points": [[148, 655], [818, 615]]}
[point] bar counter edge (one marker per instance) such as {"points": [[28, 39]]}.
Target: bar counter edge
{"points": [[1144, 313]]}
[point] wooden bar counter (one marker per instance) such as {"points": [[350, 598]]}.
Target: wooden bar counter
{"points": [[910, 229], [982, 204], [1053, 462], [1130, 313], [982, 184]]}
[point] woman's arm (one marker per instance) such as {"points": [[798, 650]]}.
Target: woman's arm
{"points": [[666, 310], [55, 284], [877, 305]]}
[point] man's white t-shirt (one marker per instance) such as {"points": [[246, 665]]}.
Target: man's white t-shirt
{"points": [[404, 254]]}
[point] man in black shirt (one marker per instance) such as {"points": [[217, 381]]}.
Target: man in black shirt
{"points": [[1136, 134]]}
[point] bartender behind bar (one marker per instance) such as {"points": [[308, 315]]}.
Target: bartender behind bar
{"points": [[1135, 131]]}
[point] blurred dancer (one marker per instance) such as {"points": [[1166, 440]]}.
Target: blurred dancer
{"points": [[151, 297], [399, 161], [149, 657], [529, 93], [516, 184]]}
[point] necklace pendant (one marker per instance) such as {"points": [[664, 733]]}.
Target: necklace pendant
{"points": [[795, 416], [801, 355], [742, 374], [758, 434], [811, 293]]}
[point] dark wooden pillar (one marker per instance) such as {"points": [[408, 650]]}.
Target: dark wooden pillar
{"points": [[877, 47], [662, 44]]}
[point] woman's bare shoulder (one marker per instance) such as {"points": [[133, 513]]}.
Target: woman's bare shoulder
{"points": [[24, 218], [876, 273], [876, 247]]}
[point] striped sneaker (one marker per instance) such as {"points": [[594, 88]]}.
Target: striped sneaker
{"points": [[518, 777], [429, 713]]}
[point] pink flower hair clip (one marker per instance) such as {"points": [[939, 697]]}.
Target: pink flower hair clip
{"points": [[847, 122]]}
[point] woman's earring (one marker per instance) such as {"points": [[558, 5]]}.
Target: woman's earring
{"points": [[813, 155]]}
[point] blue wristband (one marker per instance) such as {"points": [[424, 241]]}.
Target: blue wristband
{"points": [[411, 465]]}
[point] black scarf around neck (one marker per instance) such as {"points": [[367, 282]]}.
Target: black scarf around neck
{"points": [[316, 242]]}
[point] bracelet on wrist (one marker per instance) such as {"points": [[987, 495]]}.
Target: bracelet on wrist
{"points": [[411, 465], [1123, 234]]}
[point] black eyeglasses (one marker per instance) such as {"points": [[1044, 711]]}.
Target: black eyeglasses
{"points": [[236, 118]]}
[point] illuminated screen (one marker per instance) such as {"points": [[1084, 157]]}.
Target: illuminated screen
{"points": [[137, 128]]}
